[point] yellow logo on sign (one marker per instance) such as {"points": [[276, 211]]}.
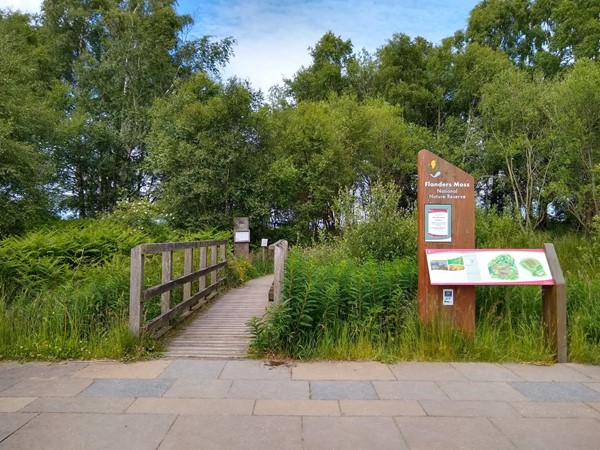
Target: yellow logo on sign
{"points": [[433, 169]]}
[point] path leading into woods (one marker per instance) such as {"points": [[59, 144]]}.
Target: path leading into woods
{"points": [[222, 331]]}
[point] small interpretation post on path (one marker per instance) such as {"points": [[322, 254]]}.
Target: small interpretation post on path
{"points": [[446, 209], [241, 237]]}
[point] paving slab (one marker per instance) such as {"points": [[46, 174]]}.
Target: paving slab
{"points": [[113, 369], [355, 370], [351, 433], [485, 372], [426, 371], [51, 387], [590, 371], [550, 434], [254, 370], [55, 431], [409, 390], [297, 408], [594, 386], [447, 433], [5, 366], [381, 408], [128, 388], [556, 372], [7, 382], [79, 405], [193, 388], [265, 389], [490, 391], [224, 433], [462, 408], [40, 369], [195, 369], [14, 404], [195, 406], [555, 409], [448, 407], [11, 422], [556, 392], [342, 390]]}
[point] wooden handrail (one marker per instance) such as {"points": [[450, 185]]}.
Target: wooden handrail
{"points": [[138, 294]]}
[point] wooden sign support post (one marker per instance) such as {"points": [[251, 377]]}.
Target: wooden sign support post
{"points": [[241, 237], [446, 207], [554, 308]]}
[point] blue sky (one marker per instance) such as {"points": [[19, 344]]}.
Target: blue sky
{"points": [[273, 36]]}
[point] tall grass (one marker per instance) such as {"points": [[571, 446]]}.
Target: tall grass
{"points": [[83, 317], [355, 298], [64, 292], [322, 298], [344, 309]]}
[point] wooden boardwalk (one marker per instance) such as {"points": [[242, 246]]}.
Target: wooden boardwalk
{"points": [[222, 331]]}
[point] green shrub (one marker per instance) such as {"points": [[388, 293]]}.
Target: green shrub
{"points": [[46, 258], [493, 230], [240, 269], [336, 304], [64, 292], [375, 228], [320, 296], [84, 317]]}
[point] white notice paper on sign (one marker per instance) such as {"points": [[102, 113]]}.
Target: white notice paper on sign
{"points": [[438, 223], [241, 236]]}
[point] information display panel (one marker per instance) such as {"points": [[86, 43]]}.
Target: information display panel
{"points": [[438, 223], [488, 267]]}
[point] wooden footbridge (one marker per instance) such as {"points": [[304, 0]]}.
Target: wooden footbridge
{"points": [[221, 331], [190, 276]]}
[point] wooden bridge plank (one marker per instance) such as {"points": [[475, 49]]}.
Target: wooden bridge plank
{"points": [[222, 331]]}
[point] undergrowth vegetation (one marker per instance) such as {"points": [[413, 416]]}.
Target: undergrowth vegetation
{"points": [[354, 296], [64, 291]]}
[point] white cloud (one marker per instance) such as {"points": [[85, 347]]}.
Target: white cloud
{"points": [[273, 36], [25, 6]]}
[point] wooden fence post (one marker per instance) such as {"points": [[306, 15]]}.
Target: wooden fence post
{"points": [[136, 280], [554, 308], [281, 251]]}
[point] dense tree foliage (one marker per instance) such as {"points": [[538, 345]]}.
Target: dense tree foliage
{"points": [[26, 120], [104, 100], [208, 152], [116, 58]]}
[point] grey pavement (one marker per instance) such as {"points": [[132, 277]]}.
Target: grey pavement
{"points": [[248, 404]]}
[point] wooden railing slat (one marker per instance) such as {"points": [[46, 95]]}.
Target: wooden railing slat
{"points": [[164, 319], [157, 290], [137, 293], [172, 246]]}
